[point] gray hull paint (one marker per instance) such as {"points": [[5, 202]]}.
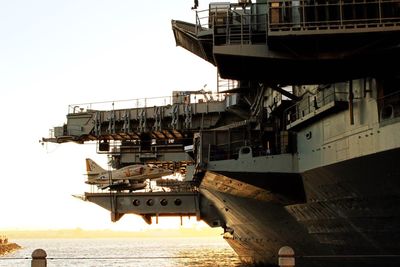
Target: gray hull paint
{"points": [[351, 216], [260, 228]]}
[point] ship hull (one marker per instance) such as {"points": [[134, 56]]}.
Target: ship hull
{"points": [[351, 214]]}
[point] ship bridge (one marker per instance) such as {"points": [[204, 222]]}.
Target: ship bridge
{"points": [[287, 42]]}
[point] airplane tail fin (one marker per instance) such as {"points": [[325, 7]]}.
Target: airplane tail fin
{"points": [[93, 168]]}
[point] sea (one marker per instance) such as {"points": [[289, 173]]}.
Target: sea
{"points": [[149, 252]]}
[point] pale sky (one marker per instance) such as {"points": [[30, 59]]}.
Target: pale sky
{"points": [[59, 52]]}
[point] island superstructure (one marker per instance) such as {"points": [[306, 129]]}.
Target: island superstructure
{"points": [[300, 150]]}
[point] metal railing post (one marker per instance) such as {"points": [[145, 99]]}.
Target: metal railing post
{"points": [[380, 11], [39, 258], [286, 257]]}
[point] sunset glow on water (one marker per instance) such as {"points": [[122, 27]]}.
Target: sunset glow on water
{"points": [[196, 251]]}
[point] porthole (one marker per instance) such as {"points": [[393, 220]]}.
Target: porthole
{"points": [[164, 202], [150, 202], [387, 112], [178, 202], [245, 150], [136, 202]]}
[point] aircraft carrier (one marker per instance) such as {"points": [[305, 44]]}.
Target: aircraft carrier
{"points": [[298, 147]]}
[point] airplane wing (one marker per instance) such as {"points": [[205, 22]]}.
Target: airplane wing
{"points": [[146, 172], [123, 185]]}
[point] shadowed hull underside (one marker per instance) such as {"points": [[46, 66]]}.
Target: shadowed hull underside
{"points": [[351, 216]]}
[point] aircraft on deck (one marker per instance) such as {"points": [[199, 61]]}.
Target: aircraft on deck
{"points": [[132, 177]]}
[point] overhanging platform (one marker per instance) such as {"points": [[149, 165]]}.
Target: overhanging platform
{"points": [[148, 204]]}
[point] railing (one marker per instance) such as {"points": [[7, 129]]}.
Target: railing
{"points": [[121, 104], [389, 106], [312, 102], [249, 24], [303, 15], [234, 23], [39, 258], [202, 21], [225, 151], [186, 97], [226, 84]]}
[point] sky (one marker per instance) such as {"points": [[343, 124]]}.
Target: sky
{"points": [[54, 53]]}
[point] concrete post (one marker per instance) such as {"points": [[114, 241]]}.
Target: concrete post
{"points": [[39, 258], [286, 257]]}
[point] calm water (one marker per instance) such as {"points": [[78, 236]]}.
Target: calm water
{"points": [[149, 252]]}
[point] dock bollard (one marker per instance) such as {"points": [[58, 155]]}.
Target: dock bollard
{"points": [[39, 258], [286, 257]]}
